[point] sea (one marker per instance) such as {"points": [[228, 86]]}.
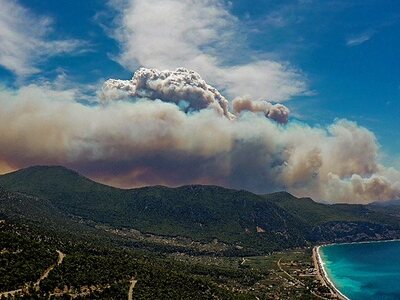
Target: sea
{"points": [[364, 270]]}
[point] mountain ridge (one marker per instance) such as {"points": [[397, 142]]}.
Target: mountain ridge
{"points": [[204, 213]]}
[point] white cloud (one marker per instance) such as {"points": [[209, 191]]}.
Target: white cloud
{"points": [[359, 39], [24, 43], [201, 35]]}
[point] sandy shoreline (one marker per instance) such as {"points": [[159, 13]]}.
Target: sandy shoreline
{"points": [[321, 272], [323, 276]]}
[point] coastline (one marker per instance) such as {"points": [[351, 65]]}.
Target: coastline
{"points": [[323, 276], [362, 242]]}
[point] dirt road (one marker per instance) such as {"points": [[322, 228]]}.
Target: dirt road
{"points": [[37, 283], [46, 273], [131, 287]]}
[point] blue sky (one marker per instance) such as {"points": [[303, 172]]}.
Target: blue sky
{"points": [[347, 49], [324, 60]]}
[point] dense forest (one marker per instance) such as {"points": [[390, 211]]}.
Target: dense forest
{"points": [[64, 236]]}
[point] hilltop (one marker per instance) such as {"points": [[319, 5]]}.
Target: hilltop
{"points": [[242, 219]]}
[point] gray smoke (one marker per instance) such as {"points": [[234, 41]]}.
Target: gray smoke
{"points": [[276, 112], [183, 87]]}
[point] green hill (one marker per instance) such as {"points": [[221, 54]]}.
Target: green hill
{"points": [[199, 212], [203, 213], [314, 213]]}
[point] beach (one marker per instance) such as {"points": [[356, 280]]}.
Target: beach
{"points": [[323, 277]]}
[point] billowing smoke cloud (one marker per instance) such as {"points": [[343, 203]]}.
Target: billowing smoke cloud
{"points": [[186, 89], [277, 112], [183, 87], [145, 141]]}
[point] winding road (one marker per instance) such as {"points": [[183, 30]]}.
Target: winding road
{"points": [[36, 285], [46, 273]]}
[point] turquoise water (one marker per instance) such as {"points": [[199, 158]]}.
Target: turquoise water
{"points": [[364, 271]]}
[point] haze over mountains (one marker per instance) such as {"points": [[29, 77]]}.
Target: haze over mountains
{"points": [[242, 220], [173, 128]]}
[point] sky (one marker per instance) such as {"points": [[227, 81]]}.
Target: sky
{"points": [[310, 89]]}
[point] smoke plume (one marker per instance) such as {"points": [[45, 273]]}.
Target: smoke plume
{"points": [[276, 112], [173, 128], [183, 87]]}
